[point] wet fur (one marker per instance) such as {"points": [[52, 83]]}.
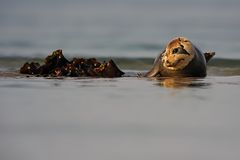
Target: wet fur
{"points": [[192, 64]]}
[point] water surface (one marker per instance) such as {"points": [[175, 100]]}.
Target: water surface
{"points": [[126, 118], [120, 118], [127, 28]]}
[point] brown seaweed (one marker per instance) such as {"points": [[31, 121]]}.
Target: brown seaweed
{"points": [[30, 68], [56, 65]]}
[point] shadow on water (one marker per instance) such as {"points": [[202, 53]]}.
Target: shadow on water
{"points": [[181, 82]]}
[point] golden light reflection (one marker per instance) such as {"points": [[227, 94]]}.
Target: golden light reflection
{"points": [[181, 82]]}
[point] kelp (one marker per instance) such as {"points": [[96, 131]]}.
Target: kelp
{"points": [[56, 65]]}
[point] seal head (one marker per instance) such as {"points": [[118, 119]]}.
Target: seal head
{"points": [[180, 58]]}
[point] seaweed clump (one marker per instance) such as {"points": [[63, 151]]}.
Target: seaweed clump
{"points": [[56, 65]]}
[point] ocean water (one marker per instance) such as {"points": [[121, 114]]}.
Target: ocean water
{"points": [[126, 28], [127, 118]]}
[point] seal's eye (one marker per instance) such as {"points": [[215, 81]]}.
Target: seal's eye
{"points": [[175, 50]]}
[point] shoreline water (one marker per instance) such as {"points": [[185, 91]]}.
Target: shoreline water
{"points": [[126, 118], [216, 66]]}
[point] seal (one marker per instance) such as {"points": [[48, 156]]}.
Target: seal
{"points": [[181, 58]]}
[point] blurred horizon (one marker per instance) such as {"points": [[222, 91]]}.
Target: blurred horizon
{"points": [[127, 28]]}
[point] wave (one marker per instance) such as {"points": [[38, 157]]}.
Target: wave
{"points": [[216, 66]]}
